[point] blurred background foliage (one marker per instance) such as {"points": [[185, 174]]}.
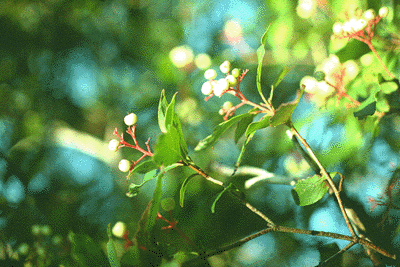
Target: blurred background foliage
{"points": [[71, 70]]}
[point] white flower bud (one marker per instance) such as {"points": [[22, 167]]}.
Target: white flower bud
{"points": [[232, 80], [207, 88], [337, 28], [360, 24], [225, 67], [130, 119], [119, 229], [113, 145], [383, 12], [346, 27], [309, 83], [369, 14], [221, 87], [210, 74], [124, 165]]}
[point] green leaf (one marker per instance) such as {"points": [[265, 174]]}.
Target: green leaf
{"points": [[309, 191], [242, 126], [145, 166], [85, 251], [260, 57], [251, 130], [285, 111], [111, 252], [218, 197], [388, 87], [253, 127], [365, 110], [219, 130], [155, 203], [170, 113], [134, 189], [277, 81], [162, 110], [183, 188], [168, 148]]}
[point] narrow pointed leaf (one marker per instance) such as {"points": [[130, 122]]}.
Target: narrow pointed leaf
{"points": [[155, 203], [242, 126], [218, 131], [260, 57], [277, 81], [183, 188], [285, 111], [162, 109], [253, 127], [111, 252], [144, 166], [218, 197]]}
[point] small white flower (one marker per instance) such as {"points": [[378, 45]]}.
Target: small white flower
{"points": [[119, 229], [225, 67], [383, 12], [221, 87], [210, 74], [124, 165], [232, 80], [113, 145], [130, 119]]}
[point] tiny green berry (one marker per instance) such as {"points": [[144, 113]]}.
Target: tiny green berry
{"points": [[221, 112], [119, 229], [45, 230], [225, 67], [210, 74], [207, 88], [232, 80], [235, 72], [383, 12], [319, 76], [113, 145], [130, 119], [35, 229], [369, 14], [124, 165], [227, 105]]}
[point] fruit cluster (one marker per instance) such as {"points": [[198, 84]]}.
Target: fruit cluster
{"points": [[219, 87]]}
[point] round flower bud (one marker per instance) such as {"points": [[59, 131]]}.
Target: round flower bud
{"points": [[383, 12], [130, 119], [360, 24], [225, 67], [221, 87], [235, 72], [346, 27], [337, 28], [221, 112], [207, 88], [119, 229], [113, 145], [210, 74], [369, 14], [227, 105], [124, 165], [168, 204], [232, 80]]}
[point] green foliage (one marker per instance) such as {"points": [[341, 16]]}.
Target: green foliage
{"points": [[218, 197], [85, 251], [111, 252], [284, 113], [183, 188], [310, 190], [260, 57]]}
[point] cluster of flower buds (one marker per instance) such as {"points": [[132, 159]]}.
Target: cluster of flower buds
{"points": [[359, 23], [225, 107], [219, 87], [124, 165], [330, 76]]}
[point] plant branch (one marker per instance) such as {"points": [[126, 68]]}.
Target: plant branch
{"points": [[247, 204], [325, 174]]}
